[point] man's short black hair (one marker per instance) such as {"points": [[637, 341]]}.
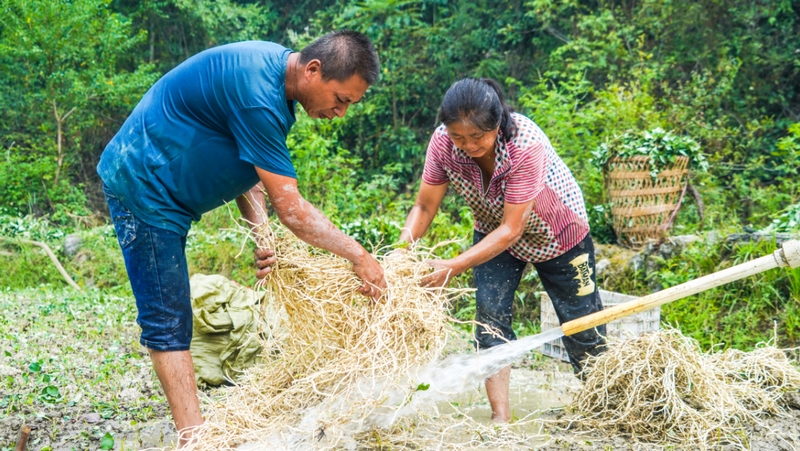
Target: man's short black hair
{"points": [[343, 54]]}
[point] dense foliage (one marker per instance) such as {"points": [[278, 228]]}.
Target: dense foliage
{"points": [[720, 72]]}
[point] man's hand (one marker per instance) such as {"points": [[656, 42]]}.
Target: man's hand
{"points": [[265, 258], [443, 273], [371, 273]]}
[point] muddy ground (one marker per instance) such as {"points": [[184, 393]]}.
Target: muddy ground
{"points": [[71, 368]]}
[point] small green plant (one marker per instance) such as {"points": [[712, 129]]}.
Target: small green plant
{"points": [[662, 147], [107, 442], [788, 221], [600, 223]]}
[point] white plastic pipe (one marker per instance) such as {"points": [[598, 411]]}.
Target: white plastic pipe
{"points": [[787, 256]]}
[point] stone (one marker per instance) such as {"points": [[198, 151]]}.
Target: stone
{"points": [[667, 250], [682, 241], [91, 417], [652, 265], [651, 247], [636, 262], [779, 238], [72, 244]]}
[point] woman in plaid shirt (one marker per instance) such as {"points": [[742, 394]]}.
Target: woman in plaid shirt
{"points": [[527, 209]]}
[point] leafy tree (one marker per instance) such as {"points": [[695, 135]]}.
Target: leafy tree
{"points": [[61, 84], [177, 29]]}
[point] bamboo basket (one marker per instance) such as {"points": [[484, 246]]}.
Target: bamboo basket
{"points": [[644, 207]]}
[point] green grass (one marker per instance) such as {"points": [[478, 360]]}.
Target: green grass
{"points": [[740, 314], [65, 355]]}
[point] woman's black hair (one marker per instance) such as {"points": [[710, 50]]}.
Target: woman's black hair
{"points": [[479, 101]]}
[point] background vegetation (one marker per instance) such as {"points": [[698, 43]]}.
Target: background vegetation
{"points": [[723, 72]]}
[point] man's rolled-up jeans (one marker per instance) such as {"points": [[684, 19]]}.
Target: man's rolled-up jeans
{"points": [[155, 259]]}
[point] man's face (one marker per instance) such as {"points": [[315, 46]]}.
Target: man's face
{"points": [[328, 99]]}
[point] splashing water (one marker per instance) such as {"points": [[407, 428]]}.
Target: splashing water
{"points": [[437, 381]]}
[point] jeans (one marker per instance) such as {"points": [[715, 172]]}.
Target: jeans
{"points": [[155, 259], [568, 279]]}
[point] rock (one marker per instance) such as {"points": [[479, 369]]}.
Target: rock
{"points": [[667, 250], [654, 285], [601, 267], [72, 244], [652, 265], [91, 417], [636, 262], [675, 245], [651, 247], [683, 241], [760, 236]]}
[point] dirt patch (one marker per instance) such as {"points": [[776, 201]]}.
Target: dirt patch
{"points": [[71, 368], [68, 433]]}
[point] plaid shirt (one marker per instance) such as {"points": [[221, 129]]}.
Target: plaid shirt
{"points": [[526, 168]]}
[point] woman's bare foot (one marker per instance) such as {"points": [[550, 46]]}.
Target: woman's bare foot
{"points": [[497, 392], [500, 419]]}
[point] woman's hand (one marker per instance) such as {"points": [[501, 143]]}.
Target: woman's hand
{"points": [[443, 273]]}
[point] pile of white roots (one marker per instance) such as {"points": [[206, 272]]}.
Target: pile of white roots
{"points": [[660, 388], [337, 355]]}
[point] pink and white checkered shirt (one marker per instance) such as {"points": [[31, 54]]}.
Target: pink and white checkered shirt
{"points": [[526, 167]]}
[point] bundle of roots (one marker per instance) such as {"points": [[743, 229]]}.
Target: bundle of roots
{"points": [[330, 341], [661, 388]]}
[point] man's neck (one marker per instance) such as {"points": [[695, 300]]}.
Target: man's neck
{"points": [[292, 76]]}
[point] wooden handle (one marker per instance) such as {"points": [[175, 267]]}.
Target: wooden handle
{"points": [[672, 294]]}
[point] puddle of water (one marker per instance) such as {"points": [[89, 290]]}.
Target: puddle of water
{"points": [[467, 417], [437, 382], [530, 393]]}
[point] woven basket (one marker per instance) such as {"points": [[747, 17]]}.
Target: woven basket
{"points": [[643, 207]]}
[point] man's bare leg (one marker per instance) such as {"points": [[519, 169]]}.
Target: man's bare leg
{"points": [[497, 392], [176, 373]]}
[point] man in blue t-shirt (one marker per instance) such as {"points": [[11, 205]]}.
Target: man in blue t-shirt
{"points": [[210, 131]]}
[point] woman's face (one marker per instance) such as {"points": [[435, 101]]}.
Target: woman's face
{"points": [[475, 142]]}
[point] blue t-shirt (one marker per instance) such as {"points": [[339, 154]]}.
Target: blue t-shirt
{"points": [[193, 141]]}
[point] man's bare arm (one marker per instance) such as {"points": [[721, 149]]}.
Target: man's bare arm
{"points": [[252, 206], [311, 226]]}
